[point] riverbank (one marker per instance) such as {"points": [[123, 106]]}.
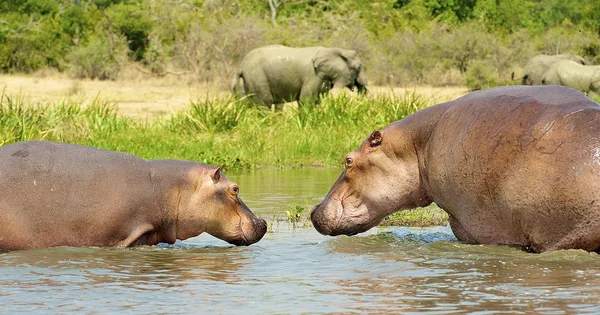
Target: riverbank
{"points": [[159, 118], [217, 130], [144, 97]]}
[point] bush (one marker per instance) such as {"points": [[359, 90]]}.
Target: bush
{"points": [[480, 75], [400, 42], [131, 21], [101, 58]]}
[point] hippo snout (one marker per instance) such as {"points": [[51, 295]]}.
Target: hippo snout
{"points": [[259, 229], [321, 221]]}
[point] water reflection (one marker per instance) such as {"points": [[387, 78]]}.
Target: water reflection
{"points": [[270, 191], [130, 266], [445, 275], [292, 271]]}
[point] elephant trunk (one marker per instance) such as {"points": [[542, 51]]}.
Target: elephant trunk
{"points": [[237, 85], [362, 89], [361, 84]]}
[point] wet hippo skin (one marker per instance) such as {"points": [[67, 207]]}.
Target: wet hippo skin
{"points": [[56, 194], [510, 165]]}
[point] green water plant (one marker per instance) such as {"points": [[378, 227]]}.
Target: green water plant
{"points": [[294, 214]]}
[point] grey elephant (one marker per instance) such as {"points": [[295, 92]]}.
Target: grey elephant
{"points": [[277, 74], [572, 74], [538, 65]]}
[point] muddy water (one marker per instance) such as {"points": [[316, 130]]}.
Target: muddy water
{"points": [[296, 270]]}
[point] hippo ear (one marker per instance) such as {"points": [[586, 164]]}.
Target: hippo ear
{"points": [[216, 176], [375, 138]]}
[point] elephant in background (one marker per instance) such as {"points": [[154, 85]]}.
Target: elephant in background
{"points": [[277, 74], [575, 75], [538, 65]]}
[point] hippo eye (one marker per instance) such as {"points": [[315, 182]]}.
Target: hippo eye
{"points": [[235, 189], [348, 161]]}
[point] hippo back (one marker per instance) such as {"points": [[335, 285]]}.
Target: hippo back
{"points": [[68, 187], [514, 151]]}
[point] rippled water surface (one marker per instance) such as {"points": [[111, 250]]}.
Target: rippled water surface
{"points": [[296, 270]]}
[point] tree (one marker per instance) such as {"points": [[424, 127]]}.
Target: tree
{"points": [[274, 5]]}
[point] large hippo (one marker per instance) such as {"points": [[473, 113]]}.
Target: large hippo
{"points": [[510, 165], [56, 194]]}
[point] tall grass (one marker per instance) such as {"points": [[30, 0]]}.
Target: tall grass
{"points": [[66, 120], [226, 131]]}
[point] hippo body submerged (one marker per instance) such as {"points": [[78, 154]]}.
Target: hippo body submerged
{"points": [[56, 194], [510, 165]]}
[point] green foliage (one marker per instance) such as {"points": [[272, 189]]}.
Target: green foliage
{"points": [[431, 215], [453, 11], [507, 15], [294, 214], [481, 75], [212, 116], [100, 58], [219, 132], [400, 41], [63, 121], [131, 21]]}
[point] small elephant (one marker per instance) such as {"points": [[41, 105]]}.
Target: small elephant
{"points": [[538, 65], [277, 74], [572, 74]]}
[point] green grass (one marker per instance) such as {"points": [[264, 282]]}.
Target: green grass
{"points": [[226, 132], [432, 215], [428, 216]]}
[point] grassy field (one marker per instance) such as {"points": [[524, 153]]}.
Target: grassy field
{"points": [[199, 123], [217, 129]]}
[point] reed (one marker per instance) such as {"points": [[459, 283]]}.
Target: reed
{"points": [[222, 131], [228, 132]]}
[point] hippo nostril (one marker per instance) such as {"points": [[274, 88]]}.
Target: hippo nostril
{"points": [[262, 226], [320, 221], [260, 229]]}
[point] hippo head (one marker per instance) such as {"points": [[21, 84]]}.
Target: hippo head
{"points": [[213, 206], [380, 178]]}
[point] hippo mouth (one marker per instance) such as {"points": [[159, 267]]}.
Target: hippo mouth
{"points": [[344, 218], [259, 229]]}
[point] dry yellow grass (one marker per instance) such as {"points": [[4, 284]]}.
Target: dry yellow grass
{"points": [[140, 96]]}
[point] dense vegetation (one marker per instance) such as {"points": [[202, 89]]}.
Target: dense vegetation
{"points": [[440, 42], [226, 132], [473, 42]]}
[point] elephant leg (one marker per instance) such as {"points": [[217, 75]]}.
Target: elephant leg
{"points": [[257, 87], [309, 94], [262, 97], [594, 91]]}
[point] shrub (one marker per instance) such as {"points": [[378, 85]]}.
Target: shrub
{"points": [[481, 75], [101, 58]]}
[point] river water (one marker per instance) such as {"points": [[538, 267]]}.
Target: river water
{"points": [[296, 270]]}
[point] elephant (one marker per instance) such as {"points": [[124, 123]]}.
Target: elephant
{"points": [[569, 73], [277, 74], [538, 65]]}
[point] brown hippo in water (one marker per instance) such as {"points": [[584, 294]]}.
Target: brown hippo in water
{"points": [[510, 165], [56, 194]]}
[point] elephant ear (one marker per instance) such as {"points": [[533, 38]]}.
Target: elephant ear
{"points": [[329, 63], [351, 58]]}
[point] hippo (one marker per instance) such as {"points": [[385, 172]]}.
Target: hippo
{"points": [[58, 194], [515, 165]]}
